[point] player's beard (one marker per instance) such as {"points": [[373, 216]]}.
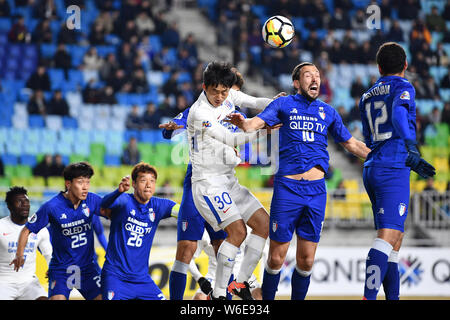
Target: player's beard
{"points": [[305, 92]]}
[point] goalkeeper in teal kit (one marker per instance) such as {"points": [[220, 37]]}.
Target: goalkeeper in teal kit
{"points": [[388, 113]]}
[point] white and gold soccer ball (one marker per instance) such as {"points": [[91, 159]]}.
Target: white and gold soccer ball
{"points": [[278, 31]]}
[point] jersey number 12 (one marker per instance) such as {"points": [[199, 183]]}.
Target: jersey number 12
{"points": [[381, 119]]}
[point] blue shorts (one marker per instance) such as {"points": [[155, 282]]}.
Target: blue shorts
{"points": [[114, 288], [297, 205], [191, 224], [85, 279], [388, 190]]}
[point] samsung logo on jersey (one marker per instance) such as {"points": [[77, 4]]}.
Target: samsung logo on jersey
{"points": [[377, 91]]}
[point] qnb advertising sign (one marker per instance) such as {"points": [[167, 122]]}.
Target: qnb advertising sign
{"points": [[341, 271]]}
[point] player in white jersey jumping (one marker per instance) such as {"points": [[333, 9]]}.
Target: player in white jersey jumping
{"points": [[22, 285], [218, 196]]}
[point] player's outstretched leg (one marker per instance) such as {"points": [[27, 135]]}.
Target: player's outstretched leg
{"points": [[391, 282], [275, 260], [376, 267], [178, 274], [256, 241]]}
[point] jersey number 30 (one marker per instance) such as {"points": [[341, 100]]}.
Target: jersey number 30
{"points": [[380, 119]]}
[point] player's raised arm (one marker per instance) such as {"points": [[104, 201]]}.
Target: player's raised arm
{"points": [[109, 199], [356, 147], [19, 260], [246, 125]]}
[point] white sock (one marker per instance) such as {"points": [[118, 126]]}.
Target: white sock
{"points": [[226, 257], [253, 252], [180, 267]]}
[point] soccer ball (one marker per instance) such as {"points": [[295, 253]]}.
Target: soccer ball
{"points": [[278, 31]]}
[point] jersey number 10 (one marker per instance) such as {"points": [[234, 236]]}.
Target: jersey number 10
{"points": [[381, 119]]}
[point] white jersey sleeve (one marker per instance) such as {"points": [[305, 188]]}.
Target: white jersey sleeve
{"points": [[44, 244], [242, 99]]}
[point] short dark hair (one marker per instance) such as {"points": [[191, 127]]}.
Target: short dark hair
{"points": [[14, 191], [217, 73], [391, 58], [78, 169], [239, 78], [296, 72], [143, 167]]}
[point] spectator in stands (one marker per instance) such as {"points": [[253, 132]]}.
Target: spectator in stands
{"points": [[171, 37], [44, 9], [445, 81], [395, 32], [166, 190], [109, 67], [107, 96], [62, 59], [340, 20], [446, 13], [144, 24], [435, 21], [19, 32], [2, 170], [151, 117], [445, 115], [442, 58], [119, 82], [421, 92], [358, 20], [58, 105], [139, 82], [129, 32], [170, 87], [90, 92], [91, 60], [37, 104], [190, 44], [340, 193], [134, 120], [431, 88], [5, 9], [409, 10], [66, 35], [57, 167], [358, 88], [97, 34], [42, 33], [187, 91], [39, 80], [435, 116], [131, 154], [44, 168], [126, 57]]}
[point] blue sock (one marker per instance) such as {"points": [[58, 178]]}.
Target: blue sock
{"points": [[177, 280], [269, 287], [376, 268], [300, 283], [391, 282]]}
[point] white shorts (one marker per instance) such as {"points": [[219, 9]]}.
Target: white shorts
{"points": [[221, 200], [30, 290]]}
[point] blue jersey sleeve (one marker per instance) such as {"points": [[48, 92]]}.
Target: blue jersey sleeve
{"points": [[165, 207], [365, 124], [270, 114], [404, 95], [40, 219], [338, 130], [95, 203], [98, 229], [181, 120]]}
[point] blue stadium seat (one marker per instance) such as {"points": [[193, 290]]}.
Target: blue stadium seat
{"points": [[48, 50], [9, 159], [148, 136], [112, 160], [36, 121], [69, 122], [5, 24], [28, 160]]}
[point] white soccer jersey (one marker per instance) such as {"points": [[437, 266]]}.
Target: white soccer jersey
{"points": [[211, 143], [9, 234]]}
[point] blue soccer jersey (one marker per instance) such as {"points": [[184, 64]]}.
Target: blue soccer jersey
{"points": [[71, 230], [377, 107], [133, 227], [303, 136]]}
